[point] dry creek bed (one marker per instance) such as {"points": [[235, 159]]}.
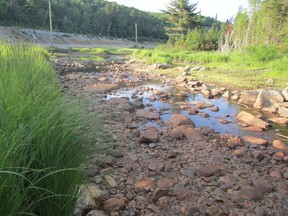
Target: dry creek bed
{"points": [[171, 166]]}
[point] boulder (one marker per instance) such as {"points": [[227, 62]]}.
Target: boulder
{"points": [[91, 197], [227, 94], [283, 111], [268, 98], [114, 204], [279, 120], [285, 93], [248, 97], [252, 120], [179, 119], [143, 113], [255, 140], [150, 135], [279, 144]]}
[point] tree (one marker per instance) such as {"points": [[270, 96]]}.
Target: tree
{"points": [[182, 17]]}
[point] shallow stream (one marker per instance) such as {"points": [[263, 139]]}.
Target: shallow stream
{"points": [[227, 110]]}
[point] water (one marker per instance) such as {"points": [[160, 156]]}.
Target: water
{"points": [[227, 111]]}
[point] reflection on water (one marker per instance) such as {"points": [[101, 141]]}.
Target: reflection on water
{"points": [[227, 111]]}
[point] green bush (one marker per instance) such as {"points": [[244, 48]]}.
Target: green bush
{"points": [[40, 137]]}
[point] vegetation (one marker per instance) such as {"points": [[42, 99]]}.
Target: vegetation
{"points": [[93, 17], [252, 67], [40, 137]]}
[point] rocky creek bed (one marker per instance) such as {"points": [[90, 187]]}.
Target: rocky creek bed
{"points": [[175, 152]]}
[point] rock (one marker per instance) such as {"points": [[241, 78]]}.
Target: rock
{"points": [[248, 97], [176, 133], [96, 213], [110, 181], [224, 121], [283, 111], [235, 95], [285, 93], [252, 120], [240, 152], [279, 120], [208, 170], [204, 115], [195, 68], [144, 184], [164, 201], [150, 135], [165, 183], [143, 113], [192, 135], [114, 204], [216, 92], [276, 174], [255, 193], [255, 140], [193, 111], [159, 192], [227, 94], [268, 98], [156, 166], [206, 93], [214, 108], [258, 155], [101, 87], [193, 210], [214, 211], [162, 66], [279, 144], [141, 200], [91, 197], [179, 119], [259, 211]]}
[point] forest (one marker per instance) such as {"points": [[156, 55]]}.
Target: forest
{"points": [[90, 17]]}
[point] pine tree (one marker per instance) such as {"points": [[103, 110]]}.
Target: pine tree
{"points": [[182, 17]]}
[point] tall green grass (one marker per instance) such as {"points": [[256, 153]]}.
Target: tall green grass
{"points": [[253, 58], [41, 136]]}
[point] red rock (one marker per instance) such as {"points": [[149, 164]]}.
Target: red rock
{"points": [[144, 184], [279, 120], [208, 170], [223, 121], [192, 135], [176, 133], [114, 204], [179, 119], [234, 142], [255, 140], [262, 186], [279, 144], [240, 152], [159, 192], [150, 135], [276, 174], [258, 155], [147, 114], [180, 191], [280, 154], [252, 120], [253, 128], [165, 183]]}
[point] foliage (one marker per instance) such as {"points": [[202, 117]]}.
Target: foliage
{"points": [[182, 17], [265, 23], [40, 137], [93, 17]]}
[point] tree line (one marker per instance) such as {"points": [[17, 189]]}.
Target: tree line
{"points": [[91, 17]]}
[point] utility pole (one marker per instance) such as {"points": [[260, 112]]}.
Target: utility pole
{"points": [[136, 33], [50, 20]]}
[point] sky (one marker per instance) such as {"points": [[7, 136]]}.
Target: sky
{"points": [[225, 9]]}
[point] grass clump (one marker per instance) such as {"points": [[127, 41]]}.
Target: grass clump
{"points": [[41, 136]]}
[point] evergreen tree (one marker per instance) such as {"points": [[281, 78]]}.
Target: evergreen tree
{"points": [[182, 17]]}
